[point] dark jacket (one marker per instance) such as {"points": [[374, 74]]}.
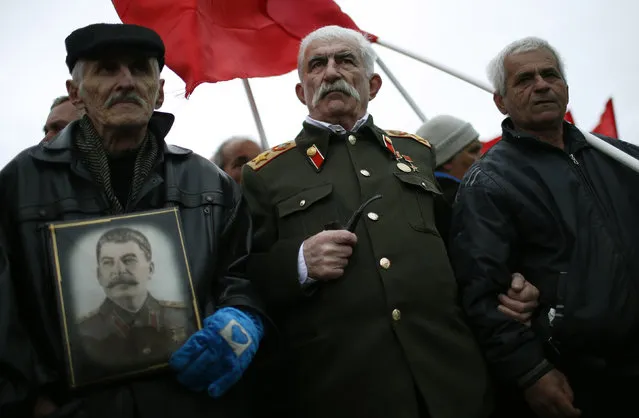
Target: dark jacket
{"points": [[449, 185], [567, 220], [48, 182], [390, 331]]}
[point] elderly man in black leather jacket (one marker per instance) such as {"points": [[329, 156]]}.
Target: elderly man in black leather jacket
{"points": [[112, 161]]}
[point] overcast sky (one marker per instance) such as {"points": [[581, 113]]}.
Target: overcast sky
{"points": [[595, 38]]}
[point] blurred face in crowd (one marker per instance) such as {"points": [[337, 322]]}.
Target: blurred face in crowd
{"points": [[461, 162], [536, 94], [119, 92], [334, 84], [236, 154], [124, 272], [59, 117]]}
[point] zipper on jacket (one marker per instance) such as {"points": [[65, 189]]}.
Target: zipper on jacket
{"points": [[601, 208], [208, 218]]}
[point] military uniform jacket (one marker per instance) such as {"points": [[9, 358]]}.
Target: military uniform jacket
{"points": [[390, 329], [50, 182], [116, 339]]}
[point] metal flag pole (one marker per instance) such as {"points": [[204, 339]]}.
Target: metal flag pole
{"points": [[256, 114], [477, 83], [401, 89]]}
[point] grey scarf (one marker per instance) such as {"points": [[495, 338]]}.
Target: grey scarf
{"points": [[89, 143]]}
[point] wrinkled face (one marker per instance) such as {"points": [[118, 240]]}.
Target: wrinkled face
{"points": [[123, 270], [462, 161], [236, 154], [59, 117], [536, 94], [334, 82], [119, 91]]}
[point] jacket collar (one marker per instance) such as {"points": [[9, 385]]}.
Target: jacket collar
{"points": [[573, 138], [313, 141], [60, 148]]}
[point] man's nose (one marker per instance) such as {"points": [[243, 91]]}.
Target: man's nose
{"points": [[125, 78], [332, 73], [541, 84]]}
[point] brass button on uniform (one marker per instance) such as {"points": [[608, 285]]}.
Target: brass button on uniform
{"points": [[352, 139], [385, 263], [396, 314], [311, 151], [302, 202], [373, 217], [365, 173]]}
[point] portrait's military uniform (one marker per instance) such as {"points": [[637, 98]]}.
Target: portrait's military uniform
{"points": [[389, 335], [114, 338]]}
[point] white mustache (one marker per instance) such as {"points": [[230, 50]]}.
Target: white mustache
{"points": [[336, 86]]}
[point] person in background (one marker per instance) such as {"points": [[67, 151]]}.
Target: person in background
{"points": [[457, 147], [62, 112], [233, 153]]}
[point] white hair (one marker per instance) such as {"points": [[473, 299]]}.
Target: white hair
{"points": [[77, 74], [496, 70], [338, 33]]}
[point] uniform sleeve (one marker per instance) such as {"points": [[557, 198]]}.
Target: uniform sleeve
{"points": [[273, 263], [483, 237], [233, 287]]}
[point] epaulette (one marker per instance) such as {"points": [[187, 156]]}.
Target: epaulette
{"points": [[269, 155], [171, 304], [407, 135]]}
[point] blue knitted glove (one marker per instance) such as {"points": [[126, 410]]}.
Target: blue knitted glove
{"points": [[215, 357]]}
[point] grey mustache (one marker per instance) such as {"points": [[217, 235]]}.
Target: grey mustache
{"points": [[337, 86], [124, 98], [122, 280]]}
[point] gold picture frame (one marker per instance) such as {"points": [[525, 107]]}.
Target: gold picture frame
{"points": [[126, 298]]}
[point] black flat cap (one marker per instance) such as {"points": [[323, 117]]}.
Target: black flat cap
{"points": [[93, 41]]}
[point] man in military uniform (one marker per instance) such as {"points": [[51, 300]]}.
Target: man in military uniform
{"points": [[130, 329], [370, 321]]}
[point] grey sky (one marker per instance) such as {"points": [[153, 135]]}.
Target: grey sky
{"points": [[595, 38]]}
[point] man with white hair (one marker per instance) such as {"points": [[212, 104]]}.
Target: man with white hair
{"points": [[115, 161], [367, 311], [545, 203]]}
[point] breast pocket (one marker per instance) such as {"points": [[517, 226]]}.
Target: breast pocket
{"points": [[418, 196], [307, 212]]}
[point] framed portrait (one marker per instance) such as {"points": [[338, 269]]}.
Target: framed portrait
{"points": [[125, 294]]}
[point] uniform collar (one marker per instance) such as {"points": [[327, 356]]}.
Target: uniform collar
{"points": [[338, 129], [314, 139]]}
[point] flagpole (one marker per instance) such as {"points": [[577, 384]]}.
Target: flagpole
{"points": [[477, 83], [256, 114], [401, 89]]}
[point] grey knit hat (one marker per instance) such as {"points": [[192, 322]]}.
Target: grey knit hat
{"points": [[448, 135]]}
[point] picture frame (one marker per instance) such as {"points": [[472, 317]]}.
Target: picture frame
{"points": [[125, 294]]}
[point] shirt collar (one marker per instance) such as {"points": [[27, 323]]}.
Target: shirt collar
{"points": [[338, 129], [443, 175]]}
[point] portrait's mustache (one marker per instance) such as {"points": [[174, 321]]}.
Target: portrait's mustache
{"points": [[124, 98], [122, 279], [337, 86]]}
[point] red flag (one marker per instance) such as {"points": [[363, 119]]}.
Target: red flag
{"points": [[488, 144], [607, 123], [209, 41]]}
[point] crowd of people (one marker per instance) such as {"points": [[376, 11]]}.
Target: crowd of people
{"points": [[352, 271]]}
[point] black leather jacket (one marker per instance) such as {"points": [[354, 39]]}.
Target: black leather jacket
{"points": [[48, 182]]}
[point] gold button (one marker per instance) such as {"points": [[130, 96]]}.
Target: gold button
{"points": [[423, 185], [397, 315], [365, 173], [385, 263], [404, 167], [373, 216], [302, 202], [311, 151], [352, 139]]}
